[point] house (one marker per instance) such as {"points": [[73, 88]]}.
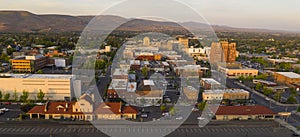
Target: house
{"points": [[244, 113], [57, 110], [114, 111], [84, 109]]}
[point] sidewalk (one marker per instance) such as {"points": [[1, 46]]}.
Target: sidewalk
{"points": [[288, 126]]}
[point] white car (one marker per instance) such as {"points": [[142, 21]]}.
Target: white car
{"points": [[179, 118], [195, 109], [200, 118], [165, 114], [40, 104], [4, 109]]}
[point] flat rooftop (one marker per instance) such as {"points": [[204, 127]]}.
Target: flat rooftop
{"points": [[118, 84], [190, 89], [220, 91], [210, 81], [265, 82], [289, 74], [148, 83], [119, 71]]}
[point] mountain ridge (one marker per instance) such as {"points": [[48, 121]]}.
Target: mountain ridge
{"points": [[25, 22]]}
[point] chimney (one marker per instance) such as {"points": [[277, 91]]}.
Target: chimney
{"points": [[46, 106], [120, 110], [93, 97]]}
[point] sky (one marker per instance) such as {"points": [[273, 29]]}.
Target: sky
{"points": [[268, 14]]}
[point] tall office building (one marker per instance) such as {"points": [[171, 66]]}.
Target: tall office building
{"points": [[184, 42], [223, 52], [146, 41]]}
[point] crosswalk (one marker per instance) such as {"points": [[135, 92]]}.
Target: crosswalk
{"points": [[38, 130]]}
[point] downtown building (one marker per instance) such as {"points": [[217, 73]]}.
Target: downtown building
{"points": [[55, 87], [223, 52]]}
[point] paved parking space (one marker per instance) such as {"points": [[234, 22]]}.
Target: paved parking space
{"points": [[14, 112]]}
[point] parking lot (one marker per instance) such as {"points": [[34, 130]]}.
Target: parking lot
{"points": [[180, 132], [13, 112]]}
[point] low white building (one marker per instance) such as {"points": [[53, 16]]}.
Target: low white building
{"points": [[55, 87], [220, 94]]}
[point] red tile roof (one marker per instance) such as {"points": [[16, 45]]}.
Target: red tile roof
{"points": [[55, 108], [108, 108], [129, 110], [37, 110], [103, 108], [244, 110]]}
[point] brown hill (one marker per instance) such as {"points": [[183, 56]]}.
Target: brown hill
{"points": [[23, 21]]}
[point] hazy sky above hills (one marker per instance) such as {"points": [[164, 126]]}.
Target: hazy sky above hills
{"points": [[270, 14]]}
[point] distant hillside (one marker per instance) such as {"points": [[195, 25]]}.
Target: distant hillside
{"points": [[23, 21]]}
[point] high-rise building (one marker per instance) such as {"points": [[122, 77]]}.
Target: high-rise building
{"points": [[146, 41], [223, 52], [216, 53], [184, 42]]}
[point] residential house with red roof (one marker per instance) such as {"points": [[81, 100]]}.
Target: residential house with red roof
{"points": [[84, 109], [244, 113]]}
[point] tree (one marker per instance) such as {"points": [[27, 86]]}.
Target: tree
{"points": [[172, 111], [292, 99], [285, 65], [39, 72], [249, 78], [24, 96], [277, 96], [259, 86], [100, 64], [6, 96], [163, 108], [74, 99], [15, 95], [1, 95], [41, 96], [261, 76], [145, 71], [293, 91], [201, 105], [267, 91], [241, 78], [27, 107]]}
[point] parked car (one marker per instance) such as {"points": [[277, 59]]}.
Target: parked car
{"points": [[4, 109], [179, 118], [195, 109], [200, 118], [40, 104], [165, 113], [144, 115], [6, 103]]}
